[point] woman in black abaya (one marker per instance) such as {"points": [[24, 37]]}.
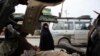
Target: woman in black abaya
{"points": [[46, 40]]}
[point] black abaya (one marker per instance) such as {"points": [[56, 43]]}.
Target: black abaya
{"points": [[46, 40]]}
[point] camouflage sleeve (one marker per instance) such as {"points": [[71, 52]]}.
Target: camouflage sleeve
{"points": [[6, 10]]}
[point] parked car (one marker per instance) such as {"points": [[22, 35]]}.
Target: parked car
{"points": [[72, 30]]}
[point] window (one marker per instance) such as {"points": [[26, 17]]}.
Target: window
{"points": [[63, 26], [82, 25]]}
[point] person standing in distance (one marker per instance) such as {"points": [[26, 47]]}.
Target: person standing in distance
{"points": [[46, 40]]}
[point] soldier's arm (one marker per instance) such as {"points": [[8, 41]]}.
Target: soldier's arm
{"points": [[7, 8]]}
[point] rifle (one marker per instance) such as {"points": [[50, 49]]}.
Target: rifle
{"points": [[8, 8]]}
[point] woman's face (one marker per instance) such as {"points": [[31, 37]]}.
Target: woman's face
{"points": [[46, 26]]}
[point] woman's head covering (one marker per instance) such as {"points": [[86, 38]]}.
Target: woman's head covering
{"points": [[45, 24]]}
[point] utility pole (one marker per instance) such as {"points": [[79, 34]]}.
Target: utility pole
{"points": [[61, 9]]}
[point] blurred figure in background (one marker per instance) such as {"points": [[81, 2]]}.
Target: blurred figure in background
{"points": [[46, 40]]}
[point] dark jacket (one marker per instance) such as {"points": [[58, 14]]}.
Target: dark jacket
{"points": [[46, 40]]}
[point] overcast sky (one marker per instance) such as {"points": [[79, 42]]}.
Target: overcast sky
{"points": [[72, 8]]}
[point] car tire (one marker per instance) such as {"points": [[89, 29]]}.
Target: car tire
{"points": [[64, 41]]}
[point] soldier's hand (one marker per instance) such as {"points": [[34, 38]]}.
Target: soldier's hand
{"points": [[37, 48]]}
